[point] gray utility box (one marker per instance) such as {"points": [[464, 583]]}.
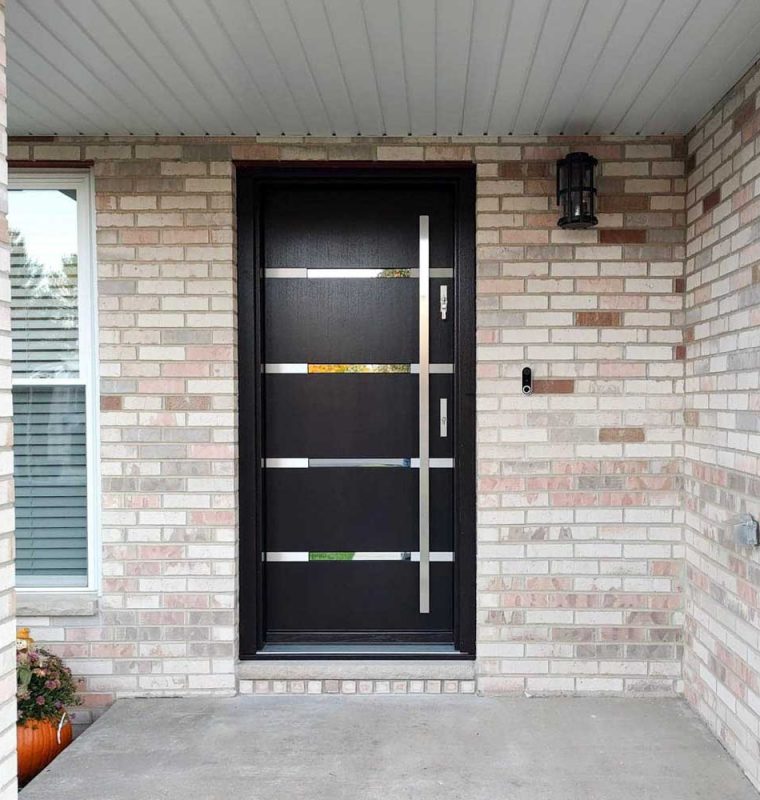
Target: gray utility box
{"points": [[745, 530]]}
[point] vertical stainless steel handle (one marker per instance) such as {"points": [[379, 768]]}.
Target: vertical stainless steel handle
{"points": [[424, 415]]}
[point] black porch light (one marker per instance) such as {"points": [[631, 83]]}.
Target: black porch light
{"points": [[576, 191]]}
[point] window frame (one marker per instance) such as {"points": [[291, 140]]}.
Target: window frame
{"points": [[80, 180]]}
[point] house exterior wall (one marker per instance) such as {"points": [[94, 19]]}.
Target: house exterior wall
{"points": [[579, 534], [7, 599], [722, 416]]}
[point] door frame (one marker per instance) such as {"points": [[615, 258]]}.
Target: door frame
{"points": [[251, 178]]}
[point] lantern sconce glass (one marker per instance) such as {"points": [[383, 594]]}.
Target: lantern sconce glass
{"points": [[576, 191]]}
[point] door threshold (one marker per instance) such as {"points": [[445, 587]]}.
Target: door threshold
{"points": [[343, 650], [359, 667]]}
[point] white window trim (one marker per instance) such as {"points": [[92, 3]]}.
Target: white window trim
{"points": [[82, 181]]}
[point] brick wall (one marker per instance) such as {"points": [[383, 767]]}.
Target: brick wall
{"points": [[7, 600], [166, 622], [722, 419], [579, 539], [580, 554]]}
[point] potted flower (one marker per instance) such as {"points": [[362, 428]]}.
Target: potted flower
{"points": [[44, 688]]}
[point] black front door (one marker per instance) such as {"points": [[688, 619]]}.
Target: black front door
{"points": [[356, 411]]}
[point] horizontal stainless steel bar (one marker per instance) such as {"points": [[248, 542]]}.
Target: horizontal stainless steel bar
{"points": [[286, 369], [359, 462], [436, 369], [305, 463], [286, 463], [388, 272], [437, 463], [305, 555], [286, 272], [343, 369]]}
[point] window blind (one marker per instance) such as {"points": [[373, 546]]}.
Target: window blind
{"points": [[50, 452]]}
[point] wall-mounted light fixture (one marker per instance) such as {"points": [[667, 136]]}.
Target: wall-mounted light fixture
{"points": [[576, 190]]}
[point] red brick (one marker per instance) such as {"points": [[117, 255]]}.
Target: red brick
{"points": [[511, 170], [744, 112], [539, 169], [598, 319], [679, 285], [623, 202], [110, 402], [751, 127], [622, 236], [711, 200], [554, 386], [680, 352], [608, 185], [544, 153], [621, 434]]}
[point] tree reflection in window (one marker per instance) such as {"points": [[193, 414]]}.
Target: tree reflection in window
{"points": [[44, 283], [317, 369]]}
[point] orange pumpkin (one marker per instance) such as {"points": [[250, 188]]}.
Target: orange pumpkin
{"points": [[38, 742]]}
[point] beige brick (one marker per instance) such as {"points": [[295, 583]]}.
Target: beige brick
{"points": [[158, 151], [207, 185], [648, 151], [56, 152], [497, 153], [303, 153], [108, 151], [137, 202], [400, 153], [19, 152], [647, 186], [159, 220]]}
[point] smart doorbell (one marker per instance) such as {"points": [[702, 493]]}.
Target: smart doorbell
{"points": [[527, 380]]}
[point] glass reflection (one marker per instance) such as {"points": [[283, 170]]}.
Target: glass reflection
{"points": [[319, 369], [44, 294]]}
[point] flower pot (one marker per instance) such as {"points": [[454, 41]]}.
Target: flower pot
{"points": [[38, 742]]}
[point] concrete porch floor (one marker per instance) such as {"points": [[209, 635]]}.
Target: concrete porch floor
{"points": [[397, 747]]}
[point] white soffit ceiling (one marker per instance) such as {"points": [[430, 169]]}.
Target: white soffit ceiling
{"points": [[372, 67]]}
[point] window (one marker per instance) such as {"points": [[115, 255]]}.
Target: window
{"points": [[52, 319]]}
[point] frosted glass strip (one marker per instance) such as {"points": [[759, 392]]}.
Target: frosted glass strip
{"points": [[337, 369], [305, 463], [303, 555], [323, 273]]}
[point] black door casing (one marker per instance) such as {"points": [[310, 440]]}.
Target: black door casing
{"points": [[360, 217]]}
